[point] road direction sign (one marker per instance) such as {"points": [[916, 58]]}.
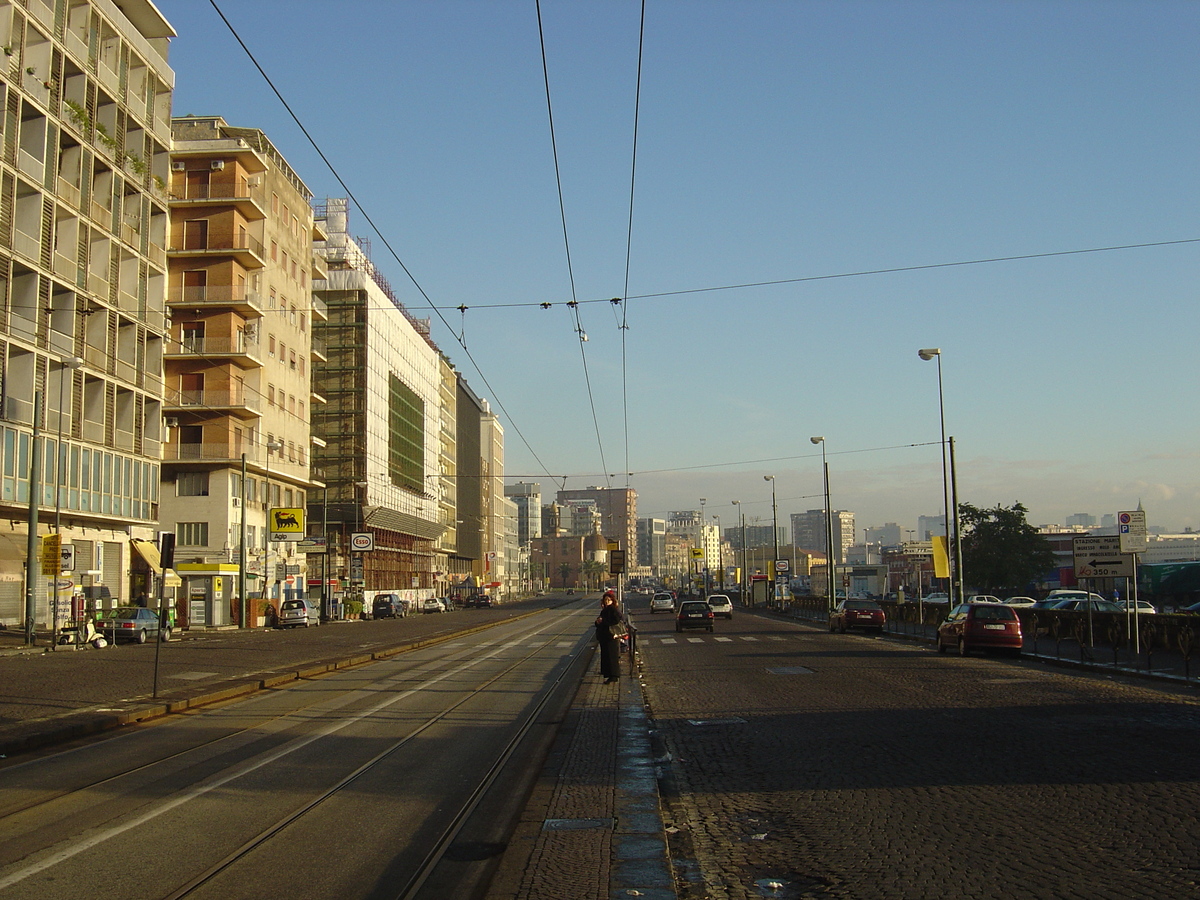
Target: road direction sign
{"points": [[1101, 557]]}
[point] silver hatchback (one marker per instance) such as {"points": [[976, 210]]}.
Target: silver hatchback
{"points": [[294, 613]]}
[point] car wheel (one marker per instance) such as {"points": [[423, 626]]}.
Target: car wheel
{"points": [[941, 647], [710, 629], [963, 649], [832, 629], [141, 636], [165, 635], [842, 629]]}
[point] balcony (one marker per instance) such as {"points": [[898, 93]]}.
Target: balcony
{"points": [[320, 309], [246, 250], [27, 245], [244, 353], [238, 403], [319, 350], [216, 452], [246, 199], [218, 296]]}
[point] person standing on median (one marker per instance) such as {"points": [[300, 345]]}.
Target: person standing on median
{"points": [[610, 645]]}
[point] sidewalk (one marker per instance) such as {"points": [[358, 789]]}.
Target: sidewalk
{"points": [[592, 828]]}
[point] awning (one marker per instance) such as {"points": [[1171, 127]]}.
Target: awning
{"points": [[148, 551]]}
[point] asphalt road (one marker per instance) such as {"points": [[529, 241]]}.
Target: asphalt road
{"points": [[801, 764], [339, 786]]}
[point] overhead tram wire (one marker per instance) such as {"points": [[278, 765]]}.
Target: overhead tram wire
{"points": [[580, 334], [637, 105], [382, 237]]}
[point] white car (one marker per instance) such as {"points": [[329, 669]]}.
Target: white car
{"points": [[662, 602], [937, 597], [1020, 602], [1142, 607], [984, 598], [433, 605], [720, 605]]}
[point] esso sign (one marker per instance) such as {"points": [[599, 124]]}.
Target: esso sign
{"points": [[362, 542]]}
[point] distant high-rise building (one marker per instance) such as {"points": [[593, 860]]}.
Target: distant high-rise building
{"points": [[927, 526], [1083, 520], [528, 498], [618, 515], [885, 534], [808, 531], [757, 536], [652, 544]]}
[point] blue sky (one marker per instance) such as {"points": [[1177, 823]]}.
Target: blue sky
{"points": [[777, 141]]}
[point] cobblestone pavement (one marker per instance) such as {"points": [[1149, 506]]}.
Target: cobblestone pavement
{"points": [[810, 765]]}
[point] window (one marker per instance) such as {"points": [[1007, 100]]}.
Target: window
{"points": [[302, 366], [292, 360], [271, 346], [303, 322], [274, 251], [192, 534], [270, 395], [282, 351], [271, 305], [303, 279], [285, 262], [191, 484], [293, 316]]}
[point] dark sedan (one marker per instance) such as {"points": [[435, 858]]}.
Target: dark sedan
{"points": [[865, 614], [981, 626], [694, 614]]}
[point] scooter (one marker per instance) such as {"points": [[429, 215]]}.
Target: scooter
{"points": [[75, 634]]}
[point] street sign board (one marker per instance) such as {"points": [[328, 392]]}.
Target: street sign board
{"points": [[362, 540], [697, 553], [782, 565], [287, 523], [68, 557], [1101, 557], [616, 562], [51, 555], [1131, 528]]}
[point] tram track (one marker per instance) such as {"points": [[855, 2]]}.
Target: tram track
{"points": [[424, 677]]}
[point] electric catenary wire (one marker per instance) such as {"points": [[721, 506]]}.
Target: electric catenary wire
{"points": [[580, 334], [637, 104], [366, 215]]}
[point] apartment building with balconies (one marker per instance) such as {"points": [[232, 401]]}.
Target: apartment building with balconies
{"points": [[86, 90], [238, 364]]}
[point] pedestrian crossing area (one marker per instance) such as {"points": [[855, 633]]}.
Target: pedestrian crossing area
{"points": [[716, 638]]}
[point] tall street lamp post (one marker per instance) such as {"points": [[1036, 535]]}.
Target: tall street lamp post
{"points": [[720, 553], [68, 365], [272, 447], [928, 354], [830, 587], [702, 564], [775, 537], [742, 580]]}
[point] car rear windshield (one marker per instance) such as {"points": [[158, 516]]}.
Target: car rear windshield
{"points": [[694, 606], [994, 612], [293, 604], [861, 604]]}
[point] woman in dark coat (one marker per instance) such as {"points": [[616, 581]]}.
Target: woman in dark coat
{"points": [[610, 647]]}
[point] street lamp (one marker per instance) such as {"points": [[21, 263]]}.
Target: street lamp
{"points": [[702, 564], [272, 447], [928, 354], [720, 552], [829, 566], [68, 365], [775, 536], [742, 580]]}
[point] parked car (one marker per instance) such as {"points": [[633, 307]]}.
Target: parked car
{"points": [[1020, 602], [983, 598], [1099, 604], [132, 623], [433, 605], [937, 597], [865, 614], [477, 601], [1194, 610], [1143, 607], [294, 613], [720, 605], [388, 606], [1046, 603], [980, 626], [1060, 594], [694, 614], [662, 602]]}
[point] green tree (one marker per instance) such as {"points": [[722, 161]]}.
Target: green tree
{"points": [[1001, 551], [564, 571]]}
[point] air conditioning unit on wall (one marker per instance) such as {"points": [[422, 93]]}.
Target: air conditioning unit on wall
{"points": [[217, 165], [171, 422], [179, 166]]}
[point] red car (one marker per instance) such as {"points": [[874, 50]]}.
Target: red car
{"points": [[866, 614], [981, 626]]}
